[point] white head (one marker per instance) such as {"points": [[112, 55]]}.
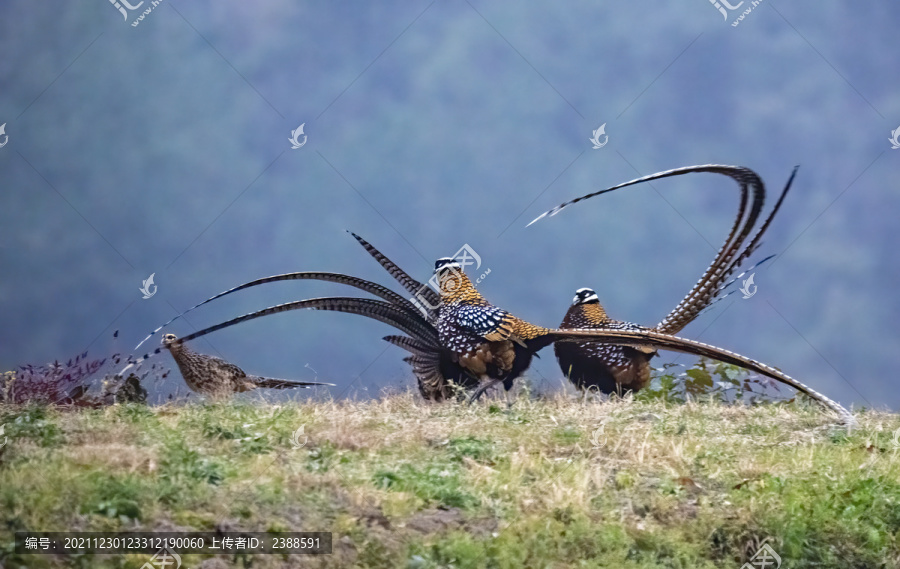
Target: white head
{"points": [[584, 296]]}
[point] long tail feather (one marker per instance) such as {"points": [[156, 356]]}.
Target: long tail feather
{"points": [[413, 346], [675, 343], [755, 242], [272, 383], [705, 288], [414, 287], [405, 321], [706, 291], [730, 171], [362, 284], [721, 294], [376, 309]]}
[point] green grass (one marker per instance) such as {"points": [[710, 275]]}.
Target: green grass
{"points": [[401, 483]]}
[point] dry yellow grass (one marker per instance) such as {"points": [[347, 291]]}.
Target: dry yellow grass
{"points": [[552, 482]]}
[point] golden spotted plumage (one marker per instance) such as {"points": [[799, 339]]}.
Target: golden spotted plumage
{"points": [[608, 368], [491, 344]]}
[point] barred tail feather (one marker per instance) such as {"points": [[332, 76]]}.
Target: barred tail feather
{"points": [[271, 383], [677, 344], [719, 296], [710, 286], [413, 346], [414, 287], [712, 168], [362, 284], [376, 309], [706, 288]]}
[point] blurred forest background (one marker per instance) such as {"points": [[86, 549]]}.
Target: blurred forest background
{"points": [[162, 148]]}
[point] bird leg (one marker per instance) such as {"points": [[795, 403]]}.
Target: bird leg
{"points": [[509, 400]]}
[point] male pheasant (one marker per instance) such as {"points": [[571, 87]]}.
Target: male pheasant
{"points": [[615, 369], [609, 368]]}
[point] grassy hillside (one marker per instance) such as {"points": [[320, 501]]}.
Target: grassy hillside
{"points": [[400, 483]]}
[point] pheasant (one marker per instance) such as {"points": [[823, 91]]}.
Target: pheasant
{"points": [[614, 369], [491, 344], [437, 370], [214, 376], [608, 368]]}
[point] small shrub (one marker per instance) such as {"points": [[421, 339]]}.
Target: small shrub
{"points": [[709, 380], [68, 384], [51, 384]]}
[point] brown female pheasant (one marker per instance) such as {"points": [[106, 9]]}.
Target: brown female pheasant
{"points": [[216, 377]]}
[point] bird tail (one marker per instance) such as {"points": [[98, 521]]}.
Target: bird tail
{"points": [[438, 380], [431, 382], [413, 346], [719, 296], [674, 343], [713, 282], [362, 284], [286, 383], [437, 383], [707, 286], [408, 322], [730, 255], [414, 287], [731, 171]]}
